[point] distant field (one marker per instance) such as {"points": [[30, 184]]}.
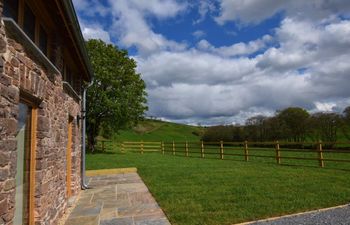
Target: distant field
{"points": [[154, 130], [213, 192]]}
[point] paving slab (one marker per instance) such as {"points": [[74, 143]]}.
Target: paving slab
{"points": [[116, 199]]}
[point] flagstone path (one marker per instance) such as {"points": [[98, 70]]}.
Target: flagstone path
{"points": [[119, 199]]}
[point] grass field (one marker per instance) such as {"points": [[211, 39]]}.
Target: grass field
{"points": [[209, 191], [155, 130]]}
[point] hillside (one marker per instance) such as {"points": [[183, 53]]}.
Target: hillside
{"points": [[155, 130]]}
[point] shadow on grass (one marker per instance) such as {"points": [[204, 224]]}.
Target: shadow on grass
{"points": [[262, 162], [309, 166], [98, 152]]}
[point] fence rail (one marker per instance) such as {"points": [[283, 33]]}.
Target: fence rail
{"points": [[279, 151]]}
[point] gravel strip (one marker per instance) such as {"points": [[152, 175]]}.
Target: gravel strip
{"points": [[335, 216]]}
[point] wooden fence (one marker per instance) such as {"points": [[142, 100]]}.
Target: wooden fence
{"points": [[103, 145], [279, 151]]}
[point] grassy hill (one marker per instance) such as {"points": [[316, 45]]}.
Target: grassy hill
{"points": [[155, 130]]}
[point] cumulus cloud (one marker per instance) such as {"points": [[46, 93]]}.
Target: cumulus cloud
{"points": [[303, 62], [130, 25], [91, 7], [192, 67], [238, 49], [198, 34], [308, 68], [255, 11], [204, 8], [96, 33], [225, 101]]}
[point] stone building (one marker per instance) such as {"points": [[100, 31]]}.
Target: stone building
{"points": [[44, 69]]}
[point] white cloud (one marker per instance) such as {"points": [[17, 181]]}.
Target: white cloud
{"points": [[252, 11], [93, 30], [198, 34], [255, 11], [303, 62], [238, 49], [96, 33], [159, 8], [204, 7], [91, 7], [192, 67], [325, 106], [130, 25], [205, 84]]}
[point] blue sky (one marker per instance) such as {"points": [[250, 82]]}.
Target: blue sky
{"points": [[222, 61]]}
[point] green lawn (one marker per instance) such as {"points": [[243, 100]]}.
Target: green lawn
{"points": [[210, 191], [154, 130]]}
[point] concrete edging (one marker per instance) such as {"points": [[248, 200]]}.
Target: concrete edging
{"points": [[292, 215], [92, 173]]}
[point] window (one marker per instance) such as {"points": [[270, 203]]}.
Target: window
{"points": [[25, 176], [43, 40], [22, 178], [32, 25], [29, 23], [11, 9]]}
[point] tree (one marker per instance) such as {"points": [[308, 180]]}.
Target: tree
{"points": [[275, 129], [224, 133], [117, 98], [346, 114], [255, 129], [325, 126], [295, 119], [345, 122]]}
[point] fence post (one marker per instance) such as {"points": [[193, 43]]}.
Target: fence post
{"points": [[320, 154], [186, 146], [174, 148], [123, 148], [103, 146], [162, 147], [221, 149], [246, 153], [278, 153], [141, 147], [202, 149]]}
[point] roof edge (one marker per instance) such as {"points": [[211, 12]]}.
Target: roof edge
{"points": [[72, 16]]}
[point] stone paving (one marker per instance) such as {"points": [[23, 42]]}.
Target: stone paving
{"points": [[120, 199]]}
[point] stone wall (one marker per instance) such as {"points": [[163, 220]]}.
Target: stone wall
{"points": [[20, 73]]}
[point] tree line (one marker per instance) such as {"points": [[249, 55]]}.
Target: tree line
{"points": [[292, 124]]}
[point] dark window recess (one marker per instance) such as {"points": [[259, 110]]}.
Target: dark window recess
{"points": [[53, 53], [68, 77], [77, 84], [11, 9], [43, 40], [29, 23]]}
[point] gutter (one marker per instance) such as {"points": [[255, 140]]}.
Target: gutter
{"points": [[74, 24], [83, 137]]}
